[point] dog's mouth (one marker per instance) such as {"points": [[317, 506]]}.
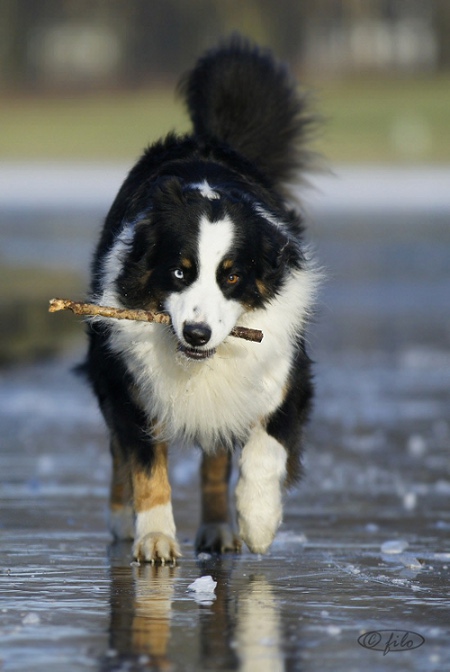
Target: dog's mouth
{"points": [[195, 353]]}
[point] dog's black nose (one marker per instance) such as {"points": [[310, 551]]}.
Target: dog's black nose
{"points": [[196, 333]]}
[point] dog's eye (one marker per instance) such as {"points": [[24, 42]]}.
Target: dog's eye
{"points": [[178, 273], [233, 279]]}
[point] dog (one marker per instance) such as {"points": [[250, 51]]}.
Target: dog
{"points": [[204, 229]]}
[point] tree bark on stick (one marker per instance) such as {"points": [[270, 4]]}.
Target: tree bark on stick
{"points": [[93, 310]]}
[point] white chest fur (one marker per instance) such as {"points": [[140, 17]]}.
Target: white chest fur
{"points": [[220, 398]]}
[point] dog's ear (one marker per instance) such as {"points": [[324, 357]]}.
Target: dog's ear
{"points": [[168, 194], [285, 254], [144, 240], [278, 251], [155, 200]]}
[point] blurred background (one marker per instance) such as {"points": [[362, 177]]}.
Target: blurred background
{"points": [[86, 84]]}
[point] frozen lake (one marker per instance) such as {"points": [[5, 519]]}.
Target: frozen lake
{"points": [[359, 574]]}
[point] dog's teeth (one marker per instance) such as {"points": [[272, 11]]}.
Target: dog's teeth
{"points": [[194, 354]]}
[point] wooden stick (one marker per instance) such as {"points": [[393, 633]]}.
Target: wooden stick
{"points": [[93, 310]]}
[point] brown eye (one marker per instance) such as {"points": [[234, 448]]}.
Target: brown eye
{"points": [[233, 279]]}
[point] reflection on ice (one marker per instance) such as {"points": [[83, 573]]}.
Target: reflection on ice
{"points": [[258, 629], [152, 623]]}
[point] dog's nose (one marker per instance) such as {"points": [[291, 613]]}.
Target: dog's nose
{"points": [[196, 333]]}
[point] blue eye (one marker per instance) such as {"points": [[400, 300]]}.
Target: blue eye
{"points": [[178, 273]]}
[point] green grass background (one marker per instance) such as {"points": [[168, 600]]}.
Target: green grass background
{"points": [[365, 121]]}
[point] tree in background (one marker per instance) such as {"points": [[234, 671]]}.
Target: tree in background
{"points": [[104, 43]]}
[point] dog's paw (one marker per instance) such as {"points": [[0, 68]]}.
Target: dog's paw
{"points": [[157, 548], [259, 513], [217, 538], [258, 534]]}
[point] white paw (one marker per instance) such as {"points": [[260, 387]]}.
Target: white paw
{"points": [[156, 547], [155, 540], [121, 522], [258, 524]]}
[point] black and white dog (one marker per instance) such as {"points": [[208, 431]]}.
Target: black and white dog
{"points": [[202, 229]]}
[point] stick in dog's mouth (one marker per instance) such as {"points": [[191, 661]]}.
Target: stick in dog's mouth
{"points": [[93, 310]]}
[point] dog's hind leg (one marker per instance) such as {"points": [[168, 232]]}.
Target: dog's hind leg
{"points": [[155, 527], [121, 514], [215, 534]]}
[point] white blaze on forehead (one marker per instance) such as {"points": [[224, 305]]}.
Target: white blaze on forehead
{"points": [[203, 301], [214, 241]]}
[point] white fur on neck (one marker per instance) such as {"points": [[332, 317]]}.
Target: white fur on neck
{"points": [[220, 398]]}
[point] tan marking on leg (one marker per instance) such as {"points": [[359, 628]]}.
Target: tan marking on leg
{"points": [[215, 475], [215, 534], [121, 491], [152, 488], [155, 527], [121, 516]]}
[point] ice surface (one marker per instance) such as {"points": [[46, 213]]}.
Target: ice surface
{"points": [[376, 473], [31, 619], [394, 546], [410, 500], [408, 560], [417, 445]]}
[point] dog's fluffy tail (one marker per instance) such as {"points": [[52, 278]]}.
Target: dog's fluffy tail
{"points": [[238, 94]]}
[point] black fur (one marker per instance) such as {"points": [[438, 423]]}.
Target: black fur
{"points": [[238, 95], [249, 125]]}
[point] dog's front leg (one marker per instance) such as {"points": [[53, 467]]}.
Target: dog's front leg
{"points": [[215, 534], [155, 527], [259, 489]]}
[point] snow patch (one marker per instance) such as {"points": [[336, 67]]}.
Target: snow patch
{"points": [[31, 619], [203, 589], [394, 546]]}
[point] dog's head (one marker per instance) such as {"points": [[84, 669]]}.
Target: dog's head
{"points": [[203, 254]]}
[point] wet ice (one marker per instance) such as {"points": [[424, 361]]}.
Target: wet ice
{"points": [[376, 481]]}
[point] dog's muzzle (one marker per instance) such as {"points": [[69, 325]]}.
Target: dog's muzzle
{"points": [[196, 335]]}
